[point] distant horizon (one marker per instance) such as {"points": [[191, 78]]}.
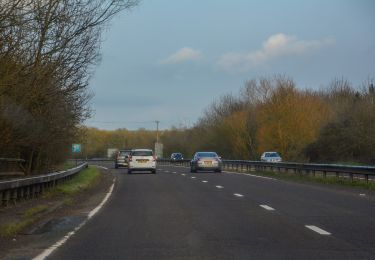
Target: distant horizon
{"points": [[151, 125]]}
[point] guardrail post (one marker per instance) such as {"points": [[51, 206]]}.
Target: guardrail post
{"points": [[20, 193], [5, 198], [366, 178], [13, 196]]}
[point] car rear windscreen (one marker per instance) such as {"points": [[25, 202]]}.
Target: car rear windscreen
{"points": [[207, 154], [124, 153], [142, 153]]}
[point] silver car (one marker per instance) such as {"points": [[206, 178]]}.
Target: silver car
{"points": [[122, 158], [270, 157], [207, 161]]}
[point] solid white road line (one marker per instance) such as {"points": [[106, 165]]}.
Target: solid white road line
{"points": [[219, 187], [59, 243], [238, 195], [204, 181], [318, 230], [267, 207]]}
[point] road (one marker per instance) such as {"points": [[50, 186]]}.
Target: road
{"points": [[178, 215]]}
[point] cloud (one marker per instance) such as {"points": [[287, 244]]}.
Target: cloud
{"points": [[276, 46], [182, 55]]}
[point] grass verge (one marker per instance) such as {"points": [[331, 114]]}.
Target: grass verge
{"points": [[81, 182], [84, 180], [35, 210], [12, 229], [329, 180]]}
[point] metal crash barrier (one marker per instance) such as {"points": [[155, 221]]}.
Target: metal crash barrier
{"points": [[340, 171], [31, 187]]}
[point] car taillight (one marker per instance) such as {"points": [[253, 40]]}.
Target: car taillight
{"points": [[153, 158]]}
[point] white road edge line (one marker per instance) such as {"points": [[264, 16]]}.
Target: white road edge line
{"points": [[267, 207], [219, 187], [318, 230], [62, 241], [237, 195]]}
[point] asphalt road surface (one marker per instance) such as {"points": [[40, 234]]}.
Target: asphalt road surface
{"points": [[178, 215]]}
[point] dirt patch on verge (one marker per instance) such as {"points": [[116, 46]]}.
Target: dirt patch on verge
{"points": [[42, 221]]}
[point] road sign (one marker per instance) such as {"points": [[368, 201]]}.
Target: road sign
{"points": [[76, 148]]}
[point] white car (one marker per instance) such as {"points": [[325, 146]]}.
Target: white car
{"points": [[270, 157], [142, 160]]}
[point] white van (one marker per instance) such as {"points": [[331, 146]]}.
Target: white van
{"points": [[142, 160]]}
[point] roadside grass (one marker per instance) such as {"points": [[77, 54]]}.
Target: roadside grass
{"points": [[68, 165], [12, 229], [30, 216], [84, 180], [329, 180], [35, 210]]}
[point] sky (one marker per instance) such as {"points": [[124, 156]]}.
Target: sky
{"points": [[168, 60]]}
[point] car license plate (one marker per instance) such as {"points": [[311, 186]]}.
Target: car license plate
{"points": [[142, 160], [207, 162]]}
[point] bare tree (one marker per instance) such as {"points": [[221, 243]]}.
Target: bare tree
{"points": [[47, 54]]}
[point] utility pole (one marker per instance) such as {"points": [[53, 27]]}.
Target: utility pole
{"points": [[157, 131], [158, 146]]}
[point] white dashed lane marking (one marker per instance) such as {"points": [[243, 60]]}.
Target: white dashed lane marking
{"points": [[238, 195], [204, 181], [318, 230], [251, 175], [193, 177], [219, 187], [267, 207], [183, 174]]}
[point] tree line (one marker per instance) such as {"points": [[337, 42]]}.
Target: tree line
{"points": [[332, 124], [47, 52]]}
